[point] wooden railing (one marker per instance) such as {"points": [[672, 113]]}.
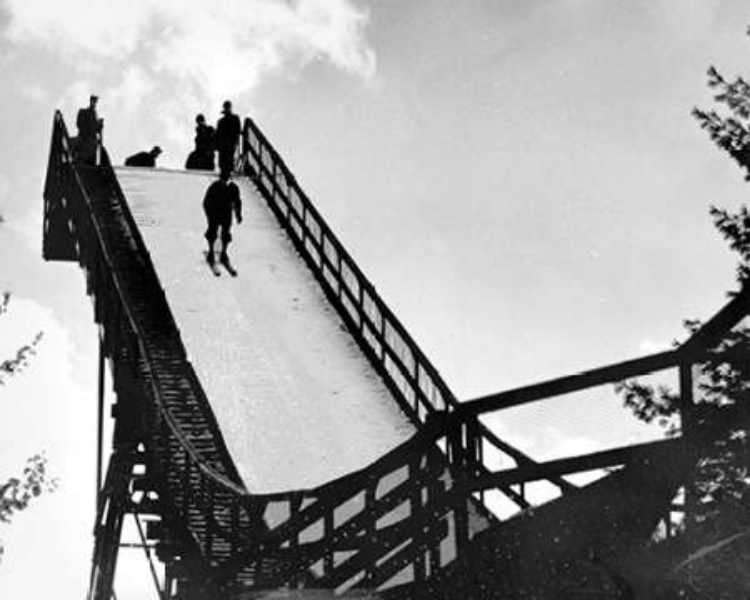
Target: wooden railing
{"points": [[406, 370]]}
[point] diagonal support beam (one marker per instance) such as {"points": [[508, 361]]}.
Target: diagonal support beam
{"points": [[567, 466], [571, 383]]}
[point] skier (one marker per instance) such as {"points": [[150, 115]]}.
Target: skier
{"points": [[203, 155], [143, 159], [89, 132], [221, 200], [227, 137]]}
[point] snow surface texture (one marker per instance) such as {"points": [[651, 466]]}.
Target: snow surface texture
{"points": [[296, 400]]}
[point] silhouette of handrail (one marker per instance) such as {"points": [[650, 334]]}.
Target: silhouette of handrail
{"points": [[412, 378], [232, 479], [693, 350]]}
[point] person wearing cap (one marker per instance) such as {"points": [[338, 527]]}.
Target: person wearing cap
{"points": [[143, 159], [89, 132], [228, 130], [203, 155], [221, 200]]}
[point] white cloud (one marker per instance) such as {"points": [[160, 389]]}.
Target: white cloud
{"points": [[222, 49], [157, 63], [648, 346], [35, 92]]}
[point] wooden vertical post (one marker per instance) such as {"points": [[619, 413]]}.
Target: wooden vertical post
{"points": [[340, 278], [687, 404], [100, 422], [458, 466], [361, 295], [207, 489], [417, 533], [382, 335], [371, 525], [434, 490], [328, 560], [295, 503]]}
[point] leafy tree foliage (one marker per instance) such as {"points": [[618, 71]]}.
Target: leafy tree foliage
{"points": [[17, 492], [721, 419], [730, 132], [722, 478], [16, 363]]}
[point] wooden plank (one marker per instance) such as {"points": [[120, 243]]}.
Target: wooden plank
{"points": [[719, 325], [562, 466], [571, 383]]}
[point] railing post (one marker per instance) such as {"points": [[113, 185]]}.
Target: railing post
{"points": [[275, 181], [458, 468], [234, 520], [328, 560], [100, 423], [186, 484], [340, 277], [417, 533], [207, 489], [370, 527], [382, 336], [303, 223], [435, 487], [687, 409], [295, 503], [474, 448], [361, 307]]}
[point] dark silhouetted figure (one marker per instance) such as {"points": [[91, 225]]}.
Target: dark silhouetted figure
{"points": [[205, 143], [143, 159], [221, 200], [227, 137], [89, 132]]}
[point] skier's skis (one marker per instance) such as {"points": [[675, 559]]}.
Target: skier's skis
{"points": [[212, 265], [228, 266]]}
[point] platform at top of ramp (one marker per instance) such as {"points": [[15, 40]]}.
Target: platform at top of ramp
{"points": [[296, 400]]}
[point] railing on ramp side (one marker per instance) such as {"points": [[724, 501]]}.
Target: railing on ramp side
{"points": [[412, 379], [162, 405]]}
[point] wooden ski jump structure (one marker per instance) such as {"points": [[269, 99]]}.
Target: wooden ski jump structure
{"points": [[415, 523]]}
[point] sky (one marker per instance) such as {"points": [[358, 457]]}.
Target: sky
{"points": [[521, 180]]}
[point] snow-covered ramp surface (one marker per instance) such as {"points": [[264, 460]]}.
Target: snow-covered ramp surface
{"points": [[297, 402]]}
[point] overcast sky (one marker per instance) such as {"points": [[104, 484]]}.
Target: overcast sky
{"points": [[521, 180]]}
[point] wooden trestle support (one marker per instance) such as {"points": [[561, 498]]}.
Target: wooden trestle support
{"points": [[411, 525]]}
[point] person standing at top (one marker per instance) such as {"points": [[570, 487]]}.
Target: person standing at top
{"points": [[203, 155], [221, 200], [227, 137], [89, 132], [143, 159]]}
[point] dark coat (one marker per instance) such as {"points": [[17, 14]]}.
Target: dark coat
{"points": [[88, 123], [221, 200], [228, 131], [203, 155], [204, 138], [142, 159]]}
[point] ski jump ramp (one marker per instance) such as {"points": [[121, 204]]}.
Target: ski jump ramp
{"points": [[295, 398], [282, 430]]}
